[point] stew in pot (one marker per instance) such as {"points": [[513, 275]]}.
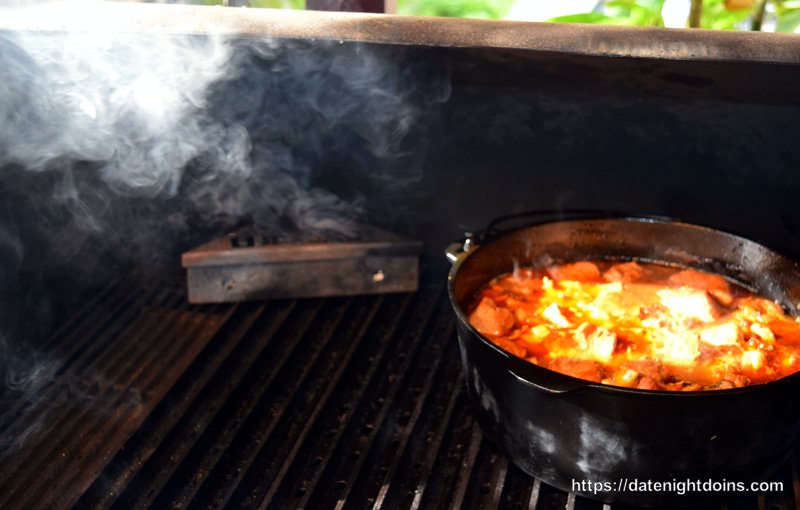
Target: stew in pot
{"points": [[639, 325]]}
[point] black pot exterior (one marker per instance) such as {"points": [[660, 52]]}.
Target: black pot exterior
{"points": [[565, 430]]}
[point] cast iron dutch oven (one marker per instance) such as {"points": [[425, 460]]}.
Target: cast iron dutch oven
{"points": [[563, 429]]}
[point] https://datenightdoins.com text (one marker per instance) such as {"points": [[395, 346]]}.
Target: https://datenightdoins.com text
{"points": [[677, 486]]}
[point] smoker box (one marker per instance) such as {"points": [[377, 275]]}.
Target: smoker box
{"points": [[248, 265]]}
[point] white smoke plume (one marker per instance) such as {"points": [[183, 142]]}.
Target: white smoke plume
{"points": [[118, 150], [136, 106]]}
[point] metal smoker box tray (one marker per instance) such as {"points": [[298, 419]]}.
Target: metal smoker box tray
{"points": [[246, 265]]}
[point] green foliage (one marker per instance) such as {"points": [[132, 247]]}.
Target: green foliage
{"points": [[637, 12], [279, 4], [716, 16], [788, 13], [621, 12], [487, 9], [587, 17]]}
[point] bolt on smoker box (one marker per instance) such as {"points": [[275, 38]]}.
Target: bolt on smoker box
{"points": [[248, 265]]}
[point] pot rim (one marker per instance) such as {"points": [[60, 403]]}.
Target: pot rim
{"points": [[568, 382]]}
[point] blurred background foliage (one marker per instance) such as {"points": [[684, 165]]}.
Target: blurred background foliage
{"points": [[487, 9], [767, 15], [774, 15], [620, 12], [279, 4]]}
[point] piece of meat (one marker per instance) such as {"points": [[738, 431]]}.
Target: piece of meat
{"points": [[753, 359], [648, 383], [579, 271], [756, 309], [683, 386], [727, 333], [699, 280], [580, 368], [540, 331], [652, 375], [734, 381], [523, 282], [553, 314], [762, 332], [652, 369], [596, 342], [512, 347], [535, 335], [679, 348], [688, 303], [490, 319], [627, 272], [628, 377], [712, 283]]}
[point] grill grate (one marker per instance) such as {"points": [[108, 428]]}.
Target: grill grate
{"points": [[322, 403]]}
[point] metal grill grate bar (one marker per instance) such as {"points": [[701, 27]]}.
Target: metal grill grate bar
{"points": [[298, 393], [438, 485], [464, 474], [122, 384], [419, 441], [487, 480], [385, 380], [233, 415], [57, 416], [416, 436], [152, 370], [311, 418], [91, 336], [517, 489], [177, 406], [536, 490], [348, 400], [70, 430], [85, 317], [192, 467], [384, 414]]}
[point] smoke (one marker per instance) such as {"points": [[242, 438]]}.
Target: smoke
{"points": [[119, 151], [231, 128], [136, 107]]}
